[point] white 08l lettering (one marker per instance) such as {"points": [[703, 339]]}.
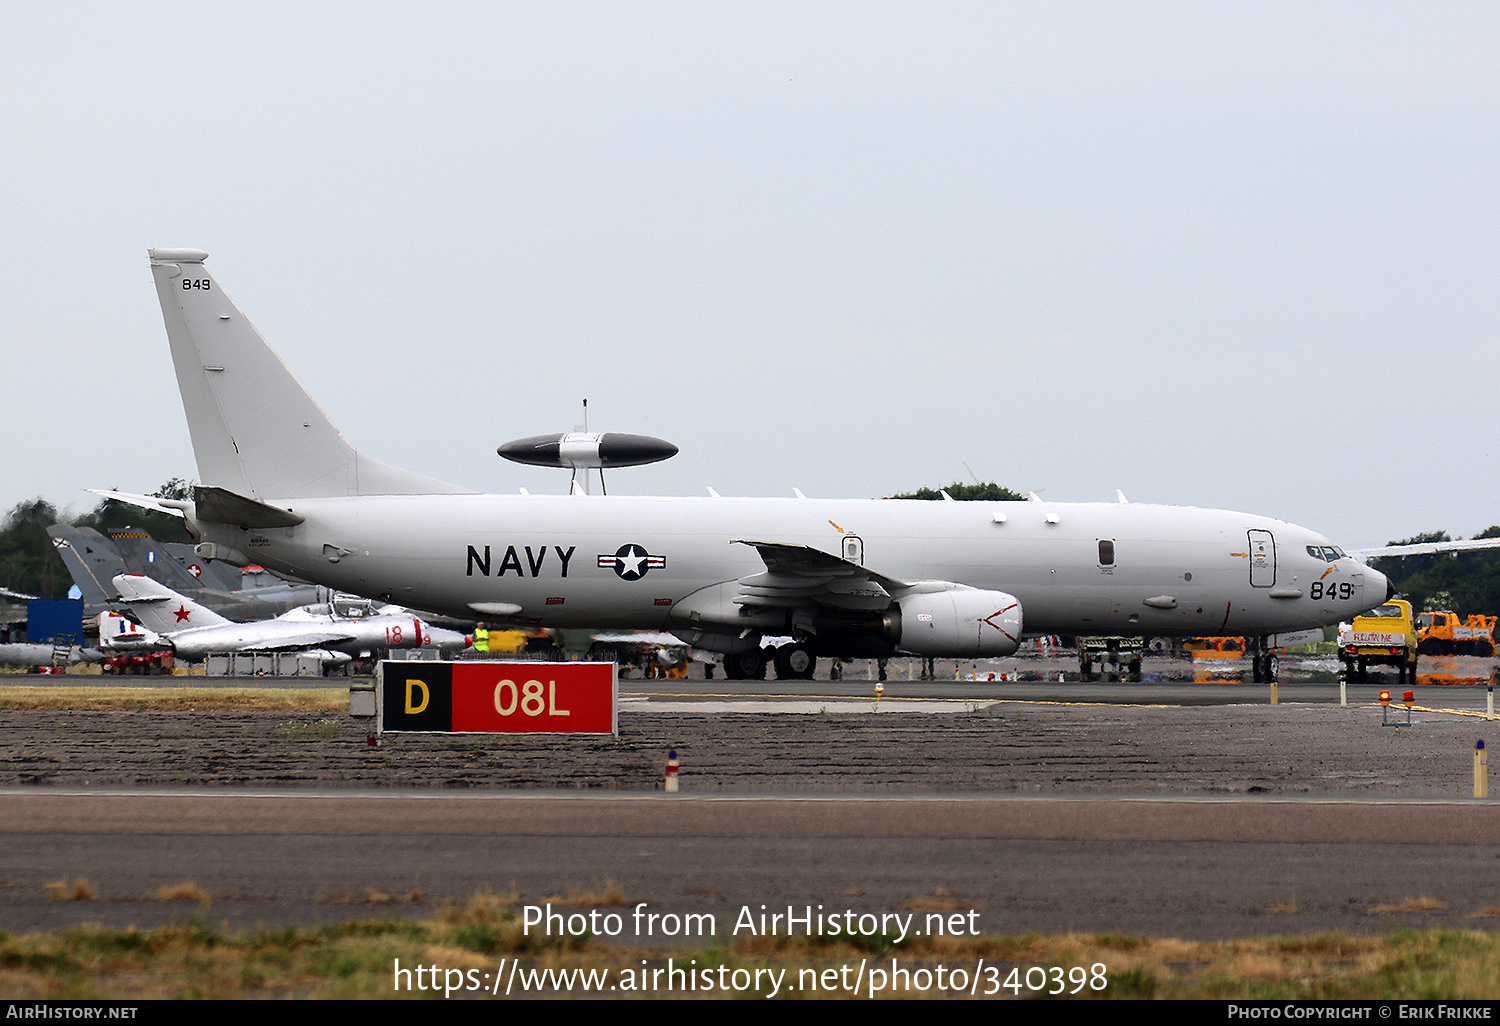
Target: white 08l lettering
{"points": [[528, 697]]}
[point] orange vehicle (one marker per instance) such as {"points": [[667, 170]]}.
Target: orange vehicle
{"points": [[1215, 648], [1440, 632]]}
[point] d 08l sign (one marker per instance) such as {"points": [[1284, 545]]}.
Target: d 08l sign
{"points": [[498, 698]]}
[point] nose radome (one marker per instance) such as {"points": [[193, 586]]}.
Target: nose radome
{"points": [[1377, 583]]}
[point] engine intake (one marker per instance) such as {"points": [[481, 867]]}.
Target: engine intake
{"points": [[960, 623]]}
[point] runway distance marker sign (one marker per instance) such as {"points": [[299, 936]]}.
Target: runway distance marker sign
{"points": [[482, 696]]}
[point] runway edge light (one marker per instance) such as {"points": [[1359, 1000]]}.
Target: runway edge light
{"points": [[1481, 770]]}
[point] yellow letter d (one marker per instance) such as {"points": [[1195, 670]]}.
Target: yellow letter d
{"points": [[410, 684]]}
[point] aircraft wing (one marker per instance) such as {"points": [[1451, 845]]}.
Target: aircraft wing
{"points": [[637, 638], [1427, 548], [802, 576], [299, 640]]}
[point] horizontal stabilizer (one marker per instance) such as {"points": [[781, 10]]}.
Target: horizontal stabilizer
{"points": [[171, 507], [221, 506]]}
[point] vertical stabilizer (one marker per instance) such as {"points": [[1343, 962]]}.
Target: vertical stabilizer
{"points": [[144, 555], [161, 609], [116, 630], [256, 432], [93, 561]]}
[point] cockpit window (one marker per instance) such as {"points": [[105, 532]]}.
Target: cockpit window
{"points": [[1327, 553]]}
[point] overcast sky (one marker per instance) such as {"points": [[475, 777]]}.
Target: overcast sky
{"points": [[1230, 255]]}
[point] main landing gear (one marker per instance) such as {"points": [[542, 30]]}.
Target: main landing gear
{"points": [[748, 665], [793, 661]]}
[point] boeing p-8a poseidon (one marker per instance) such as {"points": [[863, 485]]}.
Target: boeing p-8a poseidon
{"points": [[848, 577]]}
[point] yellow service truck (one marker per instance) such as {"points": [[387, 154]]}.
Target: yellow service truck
{"points": [[1384, 636]]}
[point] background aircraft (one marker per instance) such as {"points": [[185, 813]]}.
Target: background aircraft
{"points": [[194, 631], [95, 561]]}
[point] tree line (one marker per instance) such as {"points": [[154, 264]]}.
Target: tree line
{"points": [[28, 561]]}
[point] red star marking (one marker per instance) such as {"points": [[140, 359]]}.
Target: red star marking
{"points": [[182, 613]]}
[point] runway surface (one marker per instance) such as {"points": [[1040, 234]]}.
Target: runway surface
{"points": [[1169, 807], [1199, 869]]}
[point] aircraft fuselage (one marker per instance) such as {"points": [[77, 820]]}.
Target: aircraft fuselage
{"points": [[654, 562]]}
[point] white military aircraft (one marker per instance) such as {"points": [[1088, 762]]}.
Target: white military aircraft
{"points": [[194, 631], [283, 488]]}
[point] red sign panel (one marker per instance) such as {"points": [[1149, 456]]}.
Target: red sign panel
{"points": [[499, 697], [534, 698]]}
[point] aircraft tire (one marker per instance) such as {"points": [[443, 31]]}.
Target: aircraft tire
{"points": [[1273, 668], [749, 665], [795, 662]]}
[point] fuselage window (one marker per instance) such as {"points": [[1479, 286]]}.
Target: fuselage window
{"points": [[1106, 552]]}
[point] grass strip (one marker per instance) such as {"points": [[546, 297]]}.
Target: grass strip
{"points": [[465, 945], [104, 698]]}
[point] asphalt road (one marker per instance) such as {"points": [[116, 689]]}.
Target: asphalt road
{"points": [[1197, 869], [1169, 807]]}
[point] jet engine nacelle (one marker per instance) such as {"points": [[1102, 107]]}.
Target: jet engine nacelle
{"points": [[960, 623]]}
